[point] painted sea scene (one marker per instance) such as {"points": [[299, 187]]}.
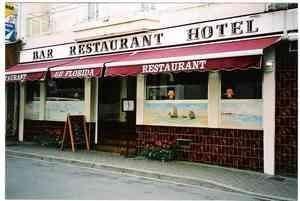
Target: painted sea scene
{"points": [[176, 113], [55, 110], [58, 110], [32, 110], [242, 114]]}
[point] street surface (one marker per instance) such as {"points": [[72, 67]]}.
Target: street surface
{"points": [[36, 179]]}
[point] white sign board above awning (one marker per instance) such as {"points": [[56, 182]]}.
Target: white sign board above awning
{"points": [[231, 28]]}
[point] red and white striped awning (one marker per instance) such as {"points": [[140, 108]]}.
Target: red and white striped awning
{"points": [[228, 55], [85, 67], [231, 55], [32, 71]]}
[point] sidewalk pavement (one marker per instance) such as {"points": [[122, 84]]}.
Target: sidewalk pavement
{"points": [[227, 179]]}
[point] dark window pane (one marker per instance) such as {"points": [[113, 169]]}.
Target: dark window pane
{"points": [[65, 89], [242, 84], [293, 46], [180, 86], [113, 88], [292, 5], [32, 91]]}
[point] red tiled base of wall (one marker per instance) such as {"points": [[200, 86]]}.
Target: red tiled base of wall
{"points": [[50, 128], [286, 121], [241, 149]]}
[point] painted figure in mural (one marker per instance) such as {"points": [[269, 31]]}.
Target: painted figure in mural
{"points": [[229, 93], [76, 95]]}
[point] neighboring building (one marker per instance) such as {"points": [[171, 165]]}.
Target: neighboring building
{"points": [[12, 48], [219, 78]]}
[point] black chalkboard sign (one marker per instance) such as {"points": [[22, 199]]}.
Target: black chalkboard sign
{"points": [[75, 126]]}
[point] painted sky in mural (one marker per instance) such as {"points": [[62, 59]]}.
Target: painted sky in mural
{"points": [[242, 114]]}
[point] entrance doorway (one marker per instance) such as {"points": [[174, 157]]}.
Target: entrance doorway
{"points": [[116, 130]]}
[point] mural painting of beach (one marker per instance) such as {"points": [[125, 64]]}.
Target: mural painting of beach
{"points": [[242, 114], [58, 110], [32, 110], [191, 113]]}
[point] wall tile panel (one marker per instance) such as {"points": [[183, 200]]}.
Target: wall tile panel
{"points": [[241, 149]]}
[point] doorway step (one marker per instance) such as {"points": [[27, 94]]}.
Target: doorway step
{"points": [[126, 147]]}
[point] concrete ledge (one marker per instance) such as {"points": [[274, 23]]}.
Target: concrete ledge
{"points": [[147, 174]]}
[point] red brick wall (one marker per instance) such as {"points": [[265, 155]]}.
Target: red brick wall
{"points": [[225, 147], [286, 111]]}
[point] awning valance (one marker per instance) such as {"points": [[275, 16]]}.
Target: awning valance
{"points": [[85, 67], [32, 71], [230, 55]]}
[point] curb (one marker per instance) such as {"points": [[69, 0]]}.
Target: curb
{"points": [[148, 174]]}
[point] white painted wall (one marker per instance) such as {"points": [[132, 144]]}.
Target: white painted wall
{"points": [[22, 111], [209, 11], [269, 89], [61, 22], [42, 106], [140, 96], [88, 98], [63, 19], [214, 91]]}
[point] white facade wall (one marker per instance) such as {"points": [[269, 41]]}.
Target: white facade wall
{"points": [[209, 11], [269, 98], [64, 23], [63, 19], [60, 28]]}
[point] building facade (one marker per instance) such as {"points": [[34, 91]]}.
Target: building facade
{"points": [[218, 79], [12, 48]]}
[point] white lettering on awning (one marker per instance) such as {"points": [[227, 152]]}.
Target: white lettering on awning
{"points": [[174, 66], [17, 77], [74, 73]]}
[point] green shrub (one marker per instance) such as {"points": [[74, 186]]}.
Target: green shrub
{"points": [[160, 151]]}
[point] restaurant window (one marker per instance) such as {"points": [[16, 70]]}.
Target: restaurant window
{"points": [[178, 86], [65, 90], [242, 85], [32, 91]]}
